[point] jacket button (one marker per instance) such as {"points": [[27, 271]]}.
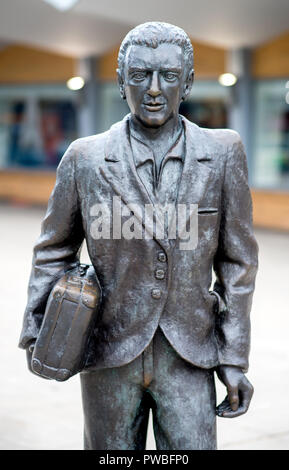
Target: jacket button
{"points": [[162, 257], [156, 293], [159, 274]]}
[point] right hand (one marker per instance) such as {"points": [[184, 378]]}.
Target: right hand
{"points": [[29, 352], [239, 389]]}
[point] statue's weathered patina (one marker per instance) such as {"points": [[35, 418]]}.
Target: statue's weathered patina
{"points": [[160, 333]]}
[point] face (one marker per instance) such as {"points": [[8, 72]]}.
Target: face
{"points": [[154, 82]]}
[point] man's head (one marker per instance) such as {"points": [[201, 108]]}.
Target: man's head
{"points": [[155, 71]]}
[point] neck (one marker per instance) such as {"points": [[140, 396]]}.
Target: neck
{"points": [[152, 134]]}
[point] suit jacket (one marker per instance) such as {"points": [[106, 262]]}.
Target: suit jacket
{"points": [[205, 329]]}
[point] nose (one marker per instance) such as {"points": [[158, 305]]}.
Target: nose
{"points": [[154, 89]]}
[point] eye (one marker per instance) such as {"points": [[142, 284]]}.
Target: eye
{"points": [[138, 76], [170, 76]]}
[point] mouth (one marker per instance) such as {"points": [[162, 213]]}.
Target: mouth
{"points": [[153, 107]]}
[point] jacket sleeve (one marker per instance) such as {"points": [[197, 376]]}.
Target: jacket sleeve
{"points": [[236, 260], [57, 248]]}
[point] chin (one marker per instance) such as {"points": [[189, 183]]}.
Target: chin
{"points": [[153, 121]]}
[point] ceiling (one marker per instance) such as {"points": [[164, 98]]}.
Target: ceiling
{"points": [[93, 26]]}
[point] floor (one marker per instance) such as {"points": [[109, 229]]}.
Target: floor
{"points": [[39, 414]]}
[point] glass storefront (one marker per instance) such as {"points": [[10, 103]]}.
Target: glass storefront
{"points": [[37, 123], [271, 135], [207, 105]]}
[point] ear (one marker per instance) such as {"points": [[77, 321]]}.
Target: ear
{"points": [[188, 84], [120, 84]]}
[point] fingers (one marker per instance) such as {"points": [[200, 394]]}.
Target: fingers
{"points": [[233, 395], [224, 406], [228, 413], [245, 393], [29, 358], [224, 410]]}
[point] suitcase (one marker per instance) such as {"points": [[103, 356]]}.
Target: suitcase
{"points": [[70, 315]]}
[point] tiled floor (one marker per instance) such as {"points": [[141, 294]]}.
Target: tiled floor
{"points": [[39, 414]]}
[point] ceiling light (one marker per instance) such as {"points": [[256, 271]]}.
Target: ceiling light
{"points": [[62, 4], [75, 83], [227, 79]]}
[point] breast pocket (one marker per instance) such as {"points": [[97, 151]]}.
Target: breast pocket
{"points": [[207, 211], [208, 227]]}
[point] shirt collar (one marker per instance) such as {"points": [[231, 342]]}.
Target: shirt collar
{"points": [[144, 153]]}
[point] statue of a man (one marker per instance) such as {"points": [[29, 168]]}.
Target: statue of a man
{"points": [[161, 333]]}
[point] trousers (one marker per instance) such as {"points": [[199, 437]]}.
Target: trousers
{"points": [[116, 402]]}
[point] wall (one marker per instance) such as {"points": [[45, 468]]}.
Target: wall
{"points": [[21, 64], [271, 209], [29, 187], [271, 60]]}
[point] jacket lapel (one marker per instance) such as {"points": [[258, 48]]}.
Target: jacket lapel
{"points": [[120, 172], [196, 174]]}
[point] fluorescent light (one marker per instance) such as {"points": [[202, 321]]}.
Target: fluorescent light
{"points": [[227, 79], [75, 83], [62, 4]]}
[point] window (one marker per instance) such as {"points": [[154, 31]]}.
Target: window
{"points": [[36, 125], [271, 136]]}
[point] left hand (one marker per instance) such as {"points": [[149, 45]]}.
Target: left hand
{"points": [[239, 389]]}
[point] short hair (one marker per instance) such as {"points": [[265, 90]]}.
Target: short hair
{"points": [[152, 34]]}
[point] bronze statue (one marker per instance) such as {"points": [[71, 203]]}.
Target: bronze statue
{"points": [[160, 332]]}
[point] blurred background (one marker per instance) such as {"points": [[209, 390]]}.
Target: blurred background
{"points": [[57, 83]]}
